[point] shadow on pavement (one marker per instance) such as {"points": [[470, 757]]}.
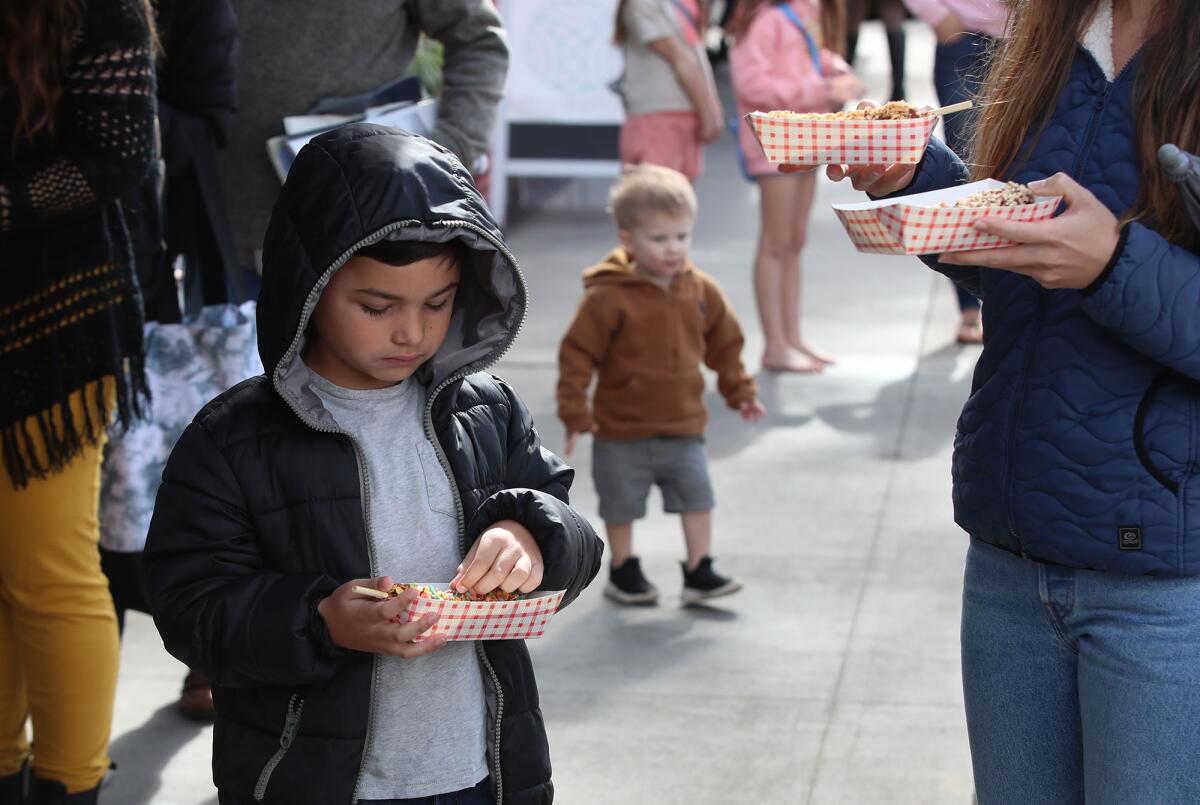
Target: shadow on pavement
{"points": [[728, 434], [142, 753], [928, 402], [709, 612], [627, 646]]}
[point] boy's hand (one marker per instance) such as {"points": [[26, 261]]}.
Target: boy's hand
{"points": [[362, 623], [505, 557], [752, 411], [573, 437]]}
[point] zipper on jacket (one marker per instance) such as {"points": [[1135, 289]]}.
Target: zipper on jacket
{"points": [[364, 480], [462, 549], [497, 776], [1093, 124], [291, 725]]}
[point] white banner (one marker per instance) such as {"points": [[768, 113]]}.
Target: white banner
{"points": [[562, 61]]}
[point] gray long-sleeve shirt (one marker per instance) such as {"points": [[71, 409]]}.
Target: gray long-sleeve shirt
{"points": [[294, 54]]}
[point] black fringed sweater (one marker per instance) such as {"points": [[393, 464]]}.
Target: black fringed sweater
{"points": [[70, 311]]}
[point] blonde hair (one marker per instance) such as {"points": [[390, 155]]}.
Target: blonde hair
{"points": [[650, 188]]}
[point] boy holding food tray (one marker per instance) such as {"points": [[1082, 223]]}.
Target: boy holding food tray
{"points": [[374, 447], [648, 320]]}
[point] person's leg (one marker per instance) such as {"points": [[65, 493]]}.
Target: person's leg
{"points": [[1139, 678], [620, 542], [957, 70], [1019, 683], [697, 536], [856, 11], [623, 478], [681, 471], [14, 709], [701, 581], [62, 619], [970, 322], [793, 295], [778, 199], [893, 15], [123, 571]]}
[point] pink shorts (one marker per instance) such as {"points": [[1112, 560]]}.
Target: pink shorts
{"points": [[670, 139]]}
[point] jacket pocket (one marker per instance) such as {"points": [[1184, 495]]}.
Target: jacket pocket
{"points": [[438, 494], [1139, 432], [291, 725]]}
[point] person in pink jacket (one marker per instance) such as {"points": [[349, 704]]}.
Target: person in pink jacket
{"points": [[780, 60]]}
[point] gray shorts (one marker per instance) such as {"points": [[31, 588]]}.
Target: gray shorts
{"points": [[625, 471]]}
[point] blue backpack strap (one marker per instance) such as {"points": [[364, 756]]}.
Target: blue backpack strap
{"points": [[813, 50]]}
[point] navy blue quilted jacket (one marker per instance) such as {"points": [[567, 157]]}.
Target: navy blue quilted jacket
{"points": [[1080, 442]]}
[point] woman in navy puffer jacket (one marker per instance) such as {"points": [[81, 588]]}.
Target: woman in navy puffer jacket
{"points": [[1077, 459]]}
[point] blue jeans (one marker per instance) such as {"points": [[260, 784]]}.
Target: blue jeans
{"points": [[481, 794], [1080, 686], [958, 72]]}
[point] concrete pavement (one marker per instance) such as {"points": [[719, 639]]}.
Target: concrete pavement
{"points": [[833, 678]]}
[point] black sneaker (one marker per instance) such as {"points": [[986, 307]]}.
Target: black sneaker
{"points": [[704, 582], [627, 584]]}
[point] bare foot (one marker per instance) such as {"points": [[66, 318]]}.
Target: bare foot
{"points": [[791, 360], [814, 353], [970, 327]]}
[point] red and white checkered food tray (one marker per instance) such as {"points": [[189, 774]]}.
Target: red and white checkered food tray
{"points": [[523, 619], [818, 141], [916, 225]]}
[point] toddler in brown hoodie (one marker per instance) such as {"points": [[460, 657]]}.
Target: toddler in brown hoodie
{"points": [[648, 319]]}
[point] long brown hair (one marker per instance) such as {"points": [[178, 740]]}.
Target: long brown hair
{"points": [[36, 37], [833, 21], [620, 31], [1030, 70]]}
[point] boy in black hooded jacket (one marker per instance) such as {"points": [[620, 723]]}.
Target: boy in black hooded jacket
{"points": [[374, 448]]}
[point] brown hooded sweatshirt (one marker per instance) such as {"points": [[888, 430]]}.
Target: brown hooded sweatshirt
{"points": [[647, 343]]}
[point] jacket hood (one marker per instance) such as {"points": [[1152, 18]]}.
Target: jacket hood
{"points": [[360, 184], [617, 269]]}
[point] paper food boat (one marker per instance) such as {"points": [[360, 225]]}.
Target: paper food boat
{"points": [[916, 225], [815, 141], [523, 619]]}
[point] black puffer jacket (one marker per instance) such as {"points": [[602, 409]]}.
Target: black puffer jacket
{"points": [[260, 514]]}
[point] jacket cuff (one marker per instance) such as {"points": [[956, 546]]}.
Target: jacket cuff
{"points": [[746, 392], [1117, 254], [546, 517], [318, 629]]}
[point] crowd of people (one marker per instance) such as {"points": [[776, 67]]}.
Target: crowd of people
{"points": [[134, 187]]}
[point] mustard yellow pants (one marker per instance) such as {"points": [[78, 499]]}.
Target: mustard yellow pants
{"points": [[58, 629]]}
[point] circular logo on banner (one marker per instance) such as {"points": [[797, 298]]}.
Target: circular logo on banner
{"points": [[563, 61]]}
